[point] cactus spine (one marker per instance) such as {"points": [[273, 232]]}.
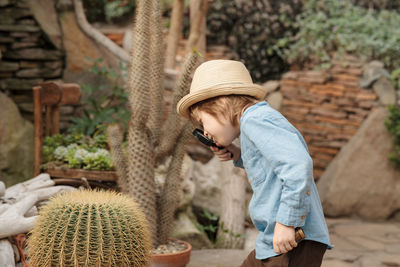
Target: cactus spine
{"points": [[136, 177], [90, 228]]}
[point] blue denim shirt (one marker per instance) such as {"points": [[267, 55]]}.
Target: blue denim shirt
{"points": [[280, 170]]}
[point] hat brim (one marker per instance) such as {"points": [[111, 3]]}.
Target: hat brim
{"points": [[187, 101]]}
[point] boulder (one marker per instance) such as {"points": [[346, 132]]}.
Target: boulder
{"points": [[361, 180], [275, 99], [206, 178], [185, 229], [372, 72], [16, 144], [384, 88], [45, 14]]}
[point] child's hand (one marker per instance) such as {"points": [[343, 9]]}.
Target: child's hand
{"points": [[225, 153], [284, 238]]}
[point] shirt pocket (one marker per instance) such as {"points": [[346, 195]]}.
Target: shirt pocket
{"points": [[256, 167]]}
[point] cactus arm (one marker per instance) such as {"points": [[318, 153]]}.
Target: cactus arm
{"points": [[173, 125], [139, 80], [156, 74], [114, 139], [173, 183]]}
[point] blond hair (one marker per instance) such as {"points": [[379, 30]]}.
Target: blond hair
{"points": [[230, 107]]}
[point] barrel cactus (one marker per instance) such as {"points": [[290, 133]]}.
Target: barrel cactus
{"points": [[90, 228]]}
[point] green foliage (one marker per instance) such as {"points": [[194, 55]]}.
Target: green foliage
{"points": [[208, 224], [395, 75], [327, 26], [108, 10], [392, 124], [110, 108], [118, 8], [78, 151]]}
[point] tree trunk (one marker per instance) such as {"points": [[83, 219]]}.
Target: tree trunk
{"points": [[231, 221], [197, 36], [174, 33], [96, 35]]}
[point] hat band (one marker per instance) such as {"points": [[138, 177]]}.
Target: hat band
{"points": [[218, 85]]}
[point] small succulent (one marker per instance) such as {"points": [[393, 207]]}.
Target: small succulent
{"points": [[60, 153]]}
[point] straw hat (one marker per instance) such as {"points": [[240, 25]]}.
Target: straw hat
{"points": [[219, 77]]}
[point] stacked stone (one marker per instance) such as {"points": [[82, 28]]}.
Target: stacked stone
{"points": [[327, 107], [27, 56]]}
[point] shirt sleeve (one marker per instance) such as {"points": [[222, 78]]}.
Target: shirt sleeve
{"points": [[238, 163], [291, 162]]}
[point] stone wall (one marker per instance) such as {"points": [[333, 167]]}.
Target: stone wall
{"points": [[327, 107], [28, 57]]}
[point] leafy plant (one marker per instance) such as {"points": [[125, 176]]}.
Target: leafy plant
{"points": [[118, 8], [338, 26], [77, 151], [208, 224], [392, 124], [395, 75], [110, 108], [108, 10]]}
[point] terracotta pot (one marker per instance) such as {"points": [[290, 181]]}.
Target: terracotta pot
{"points": [[178, 259]]}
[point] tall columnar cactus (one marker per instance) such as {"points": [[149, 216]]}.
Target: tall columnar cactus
{"points": [[90, 228], [140, 160], [145, 147]]}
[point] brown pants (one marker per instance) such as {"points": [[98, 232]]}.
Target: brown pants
{"points": [[307, 254]]}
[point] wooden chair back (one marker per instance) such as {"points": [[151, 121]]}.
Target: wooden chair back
{"points": [[47, 98]]}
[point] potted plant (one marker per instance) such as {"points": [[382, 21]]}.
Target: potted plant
{"points": [[90, 228], [149, 140]]}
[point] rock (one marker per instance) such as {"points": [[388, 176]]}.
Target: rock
{"points": [[217, 257], [10, 15], [39, 72], [19, 28], [79, 48], [251, 236], [8, 66], [271, 86], [208, 186], [2, 188], [185, 229], [275, 100], [16, 144], [384, 88], [6, 253], [19, 84], [45, 14], [361, 180], [372, 72], [33, 54], [4, 2]]}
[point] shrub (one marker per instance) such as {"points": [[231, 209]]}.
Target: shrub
{"points": [[327, 26], [392, 123]]}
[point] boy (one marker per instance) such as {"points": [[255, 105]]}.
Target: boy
{"points": [[225, 102]]}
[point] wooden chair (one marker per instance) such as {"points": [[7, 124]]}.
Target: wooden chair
{"points": [[48, 97]]}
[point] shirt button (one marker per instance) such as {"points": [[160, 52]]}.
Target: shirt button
{"points": [[303, 217], [308, 192]]}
